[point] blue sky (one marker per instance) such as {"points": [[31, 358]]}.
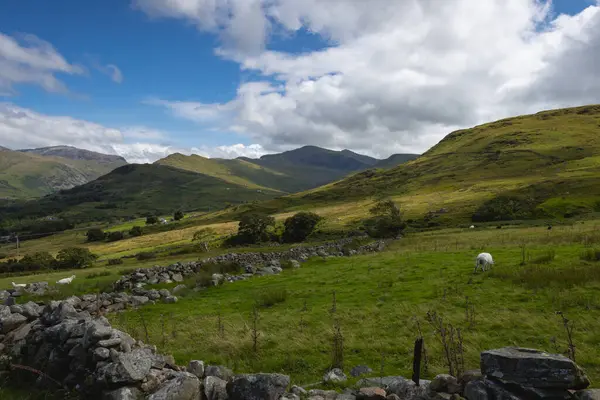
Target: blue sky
{"points": [[170, 55]]}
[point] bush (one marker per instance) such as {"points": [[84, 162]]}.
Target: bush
{"points": [[386, 220], [95, 235], [591, 255], [506, 208], [151, 220], [115, 236], [145, 256], [272, 297], [37, 261], [75, 257], [136, 231], [299, 226], [115, 261], [178, 215], [253, 228]]}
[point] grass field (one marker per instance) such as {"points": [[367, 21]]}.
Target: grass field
{"points": [[380, 297]]}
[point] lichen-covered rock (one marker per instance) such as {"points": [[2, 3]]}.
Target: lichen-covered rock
{"points": [[196, 368], [215, 388], [533, 368], [372, 393], [129, 368], [335, 375], [445, 383], [11, 322], [124, 393], [182, 386], [360, 370], [257, 387], [218, 371]]}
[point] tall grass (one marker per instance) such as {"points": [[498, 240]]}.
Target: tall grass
{"points": [[590, 255]]}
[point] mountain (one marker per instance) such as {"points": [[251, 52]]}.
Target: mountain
{"points": [[545, 165], [33, 173], [311, 166], [73, 153], [135, 190], [394, 160]]}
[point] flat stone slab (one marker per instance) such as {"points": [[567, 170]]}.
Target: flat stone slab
{"points": [[534, 368]]}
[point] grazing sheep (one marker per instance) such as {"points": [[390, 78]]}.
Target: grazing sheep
{"points": [[472, 227], [66, 281], [19, 285], [483, 261]]}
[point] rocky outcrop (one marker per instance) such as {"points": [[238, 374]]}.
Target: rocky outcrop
{"points": [[259, 264]]}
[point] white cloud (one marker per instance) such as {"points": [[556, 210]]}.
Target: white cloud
{"points": [[398, 75], [22, 128], [113, 71], [28, 59]]}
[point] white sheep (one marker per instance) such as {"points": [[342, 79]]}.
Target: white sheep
{"points": [[66, 281], [472, 227], [483, 261], [19, 285]]}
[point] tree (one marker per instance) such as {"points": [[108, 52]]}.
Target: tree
{"points": [[386, 220], [37, 261], [178, 215], [151, 220], [75, 257], [95, 235], [299, 226], [116, 235], [253, 228], [136, 231]]}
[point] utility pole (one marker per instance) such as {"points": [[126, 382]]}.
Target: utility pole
{"points": [[18, 250]]}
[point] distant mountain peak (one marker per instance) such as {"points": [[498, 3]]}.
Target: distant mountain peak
{"points": [[74, 153]]}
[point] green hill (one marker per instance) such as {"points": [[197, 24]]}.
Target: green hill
{"points": [[135, 190], [394, 160], [532, 166], [28, 174]]}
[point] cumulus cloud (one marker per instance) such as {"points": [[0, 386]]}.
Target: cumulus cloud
{"points": [[23, 128], [396, 76], [26, 58]]}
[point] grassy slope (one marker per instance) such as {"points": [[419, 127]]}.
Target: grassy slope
{"points": [[133, 190], [553, 154], [27, 175], [238, 172], [377, 297]]}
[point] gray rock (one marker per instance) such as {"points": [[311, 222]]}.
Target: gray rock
{"points": [[154, 380], [101, 354], [124, 393], [196, 368], [95, 331], [9, 301], [360, 370], [533, 368], [179, 288], [486, 389], [323, 394], [129, 368], [393, 397], [12, 322], [153, 294], [170, 299], [295, 263], [336, 375], [445, 383], [16, 309], [19, 333], [257, 387], [184, 386], [400, 386], [138, 300], [31, 310], [108, 343], [589, 394], [218, 371], [297, 390], [215, 388], [177, 278], [290, 396], [164, 293]]}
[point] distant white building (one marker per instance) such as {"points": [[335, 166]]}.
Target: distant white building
{"points": [[163, 221]]}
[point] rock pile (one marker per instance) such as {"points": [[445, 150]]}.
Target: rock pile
{"points": [[254, 263], [87, 355]]}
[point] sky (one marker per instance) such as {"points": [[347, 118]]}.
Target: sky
{"points": [[228, 78]]}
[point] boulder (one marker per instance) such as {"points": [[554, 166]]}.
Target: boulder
{"points": [[138, 300], [196, 368], [218, 371], [360, 370], [19, 333], [170, 299], [257, 387], [31, 310], [11, 322], [129, 368], [215, 388], [372, 393], [589, 394], [295, 263], [124, 393], [335, 375], [533, 368], [179, 288], [177, 278], [183, 386], [445, 383]]}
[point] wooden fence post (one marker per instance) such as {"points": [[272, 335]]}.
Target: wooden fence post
{"points": [[416, 376]]}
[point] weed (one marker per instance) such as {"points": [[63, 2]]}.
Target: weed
{"points": [[337, 348], [254, 331], [568, 325], [451, 341]]}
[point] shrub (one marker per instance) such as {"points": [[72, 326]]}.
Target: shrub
{"points": [[115, 236], [178, 215], [151, 220], [506, 208], [95, 235], [115, 261], [39, 260], [272, 297], [253, 228], [145, 256], [591, 255], [136, 231], [75, 257], [299, 226], [386, 220]]}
